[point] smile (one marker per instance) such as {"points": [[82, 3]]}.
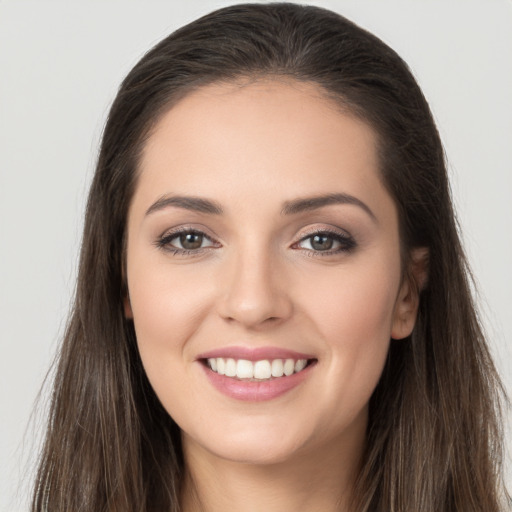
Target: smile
{"points": [[256, 374], [264, 369]]}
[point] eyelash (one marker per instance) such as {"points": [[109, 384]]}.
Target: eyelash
{"points": [[164, 242], [347, 242]]}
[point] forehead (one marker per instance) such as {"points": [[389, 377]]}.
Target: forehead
{"points": [[262, 108], [269, 138]]}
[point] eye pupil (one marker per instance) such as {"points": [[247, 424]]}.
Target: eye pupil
{"points": [[191, 240], [321, 242]]}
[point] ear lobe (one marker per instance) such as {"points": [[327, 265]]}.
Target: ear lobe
{"points": [[407, 303], [128, 313]]}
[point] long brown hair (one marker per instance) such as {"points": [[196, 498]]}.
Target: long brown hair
{"points": [[434, 439]]}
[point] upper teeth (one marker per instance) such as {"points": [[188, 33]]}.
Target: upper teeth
{"points": [[264, 369]]}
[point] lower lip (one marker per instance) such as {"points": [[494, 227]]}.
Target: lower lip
{"points": [[251, 391]]}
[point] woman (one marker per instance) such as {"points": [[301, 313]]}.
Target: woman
{"points": [[273, 310]]}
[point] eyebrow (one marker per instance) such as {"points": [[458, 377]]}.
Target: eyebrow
{"points": [[313, 203], [197, 204], [202, 205]]}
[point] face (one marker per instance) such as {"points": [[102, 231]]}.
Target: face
{"points": [[263, 269]]}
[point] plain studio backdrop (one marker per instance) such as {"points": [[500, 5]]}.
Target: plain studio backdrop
{"points": [[60, 66]]}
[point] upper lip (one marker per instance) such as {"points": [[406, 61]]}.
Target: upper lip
{"points": [[254, 353]]}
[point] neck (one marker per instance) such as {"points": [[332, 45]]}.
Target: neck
{"points": [[311, 481]]}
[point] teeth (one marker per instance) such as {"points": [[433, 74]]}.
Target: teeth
{"points": [[221, 365], [257, 370], [262, 370], [277, 368], [244, 369], [230, 367], [300, 365], [289, 367]]}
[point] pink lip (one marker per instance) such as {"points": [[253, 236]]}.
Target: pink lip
{"points": [[253, 391], [254, 353]]}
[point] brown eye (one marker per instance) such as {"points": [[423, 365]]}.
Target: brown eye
{"points": [[184, 242], [321, 242], [327, 242], [191, 241]]}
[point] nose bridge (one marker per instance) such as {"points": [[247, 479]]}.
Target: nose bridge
{"points": [[254, 294]]}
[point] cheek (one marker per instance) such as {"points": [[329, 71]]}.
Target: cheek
{"points": [[167, 306], [356, 303], [353, 310]]}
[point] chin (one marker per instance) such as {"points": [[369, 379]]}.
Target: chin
{"points": [[253, 454], [251, 446]]}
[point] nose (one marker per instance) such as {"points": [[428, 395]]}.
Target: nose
{"points": [[255, 293]]}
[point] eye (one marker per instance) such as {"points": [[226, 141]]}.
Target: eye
{"points": [[185, 241], [327, 242]]}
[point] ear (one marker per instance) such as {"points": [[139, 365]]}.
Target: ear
{"points": [[128, 313], [408, 299]]}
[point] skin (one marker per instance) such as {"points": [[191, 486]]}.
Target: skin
{"points": [[257, 281]]}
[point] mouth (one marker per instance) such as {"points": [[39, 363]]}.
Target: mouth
{"points": [[261, 370], [256, 374]]}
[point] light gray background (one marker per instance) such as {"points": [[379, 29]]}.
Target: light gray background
{"points": [[60, 65]]}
